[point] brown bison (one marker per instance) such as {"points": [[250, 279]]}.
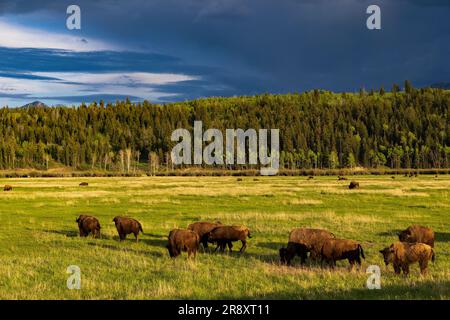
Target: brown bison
{"points": [[84, 184], [7, 188], [293, 249], [88, 224], [223, 235], [125, 225], [340, 178], [417, 234], [353, 185], [340, 249], [202, 229], [312, 239], [402, 254], [183, 240]]}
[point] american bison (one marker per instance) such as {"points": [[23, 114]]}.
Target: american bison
{"points": [[227, 234], [341, 178], [183, 240], [84, 184], [88, 224], [7, 188], [125, 225], [293, 249], [353, 185], [310, 177], [417, 234], [202, 229], [402, 254], [340, 249], [312, 239]]}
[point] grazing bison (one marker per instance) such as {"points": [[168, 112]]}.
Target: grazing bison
{"points": [[312, 239], [353, 185], [183, 240], [7, 188], [227, 234], [293, 249], [402, 254], [125, 225], [84, 184], [417, 234], [310, 177], [88, 224], [341, 178], [202, 229], [340, 249]]}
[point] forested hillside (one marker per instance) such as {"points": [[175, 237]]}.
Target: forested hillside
{"points": [[318, 129]]}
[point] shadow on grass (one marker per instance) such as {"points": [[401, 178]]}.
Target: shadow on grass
{"points": [[390, 233], [442, 236], [271, 245], [125, 249], [67, 233], [155, 242]]}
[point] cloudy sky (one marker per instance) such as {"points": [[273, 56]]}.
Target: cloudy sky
{"points": [[171, 50]]}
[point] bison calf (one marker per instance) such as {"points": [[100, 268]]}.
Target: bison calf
{"points": [[227, 234], [125, 225], [340, 249], [202, 229], [417, 234], [7, 188], [183, 240], [402, 254], [88, 224], [293, 249]]}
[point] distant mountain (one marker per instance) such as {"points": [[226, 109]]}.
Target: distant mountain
{"points": [[441, 85], [34, 104]]}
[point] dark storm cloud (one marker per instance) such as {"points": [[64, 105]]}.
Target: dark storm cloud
{"points": [[253, 46]]}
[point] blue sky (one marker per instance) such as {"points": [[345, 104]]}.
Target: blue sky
{"points": [[172, 50]]}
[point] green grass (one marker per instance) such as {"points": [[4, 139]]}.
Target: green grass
{"points": [[39, 236]]}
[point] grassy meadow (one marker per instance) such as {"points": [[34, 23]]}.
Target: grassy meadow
{"points": [[39, 237]]}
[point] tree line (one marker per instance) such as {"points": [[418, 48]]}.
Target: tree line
{"points": [[318, 130]]}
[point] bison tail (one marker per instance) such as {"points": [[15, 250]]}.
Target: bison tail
{"points": [[361, 251], [248, 234], [433, 257], [140, 228]]}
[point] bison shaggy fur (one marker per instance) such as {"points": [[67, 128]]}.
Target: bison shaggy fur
{"points": [[417, 234], [403, 254], [125, 225], [312, 239], [341, 249], [227, 234], [203, 229], [182, 240], [353, 185], [7, 188], [88, 224]]}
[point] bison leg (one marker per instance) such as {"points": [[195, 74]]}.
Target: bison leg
{"points": [[136, 236], [244, 246], [230, 246], [405, 269], [423, 267]]}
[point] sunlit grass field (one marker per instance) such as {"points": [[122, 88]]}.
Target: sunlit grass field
{"points": [[39, 237]]}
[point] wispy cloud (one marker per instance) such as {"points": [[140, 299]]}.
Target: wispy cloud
{"points": [[17, 36], [57, 85]]}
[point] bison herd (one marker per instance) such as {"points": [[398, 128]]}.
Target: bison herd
{"points": [[415, 244]]}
